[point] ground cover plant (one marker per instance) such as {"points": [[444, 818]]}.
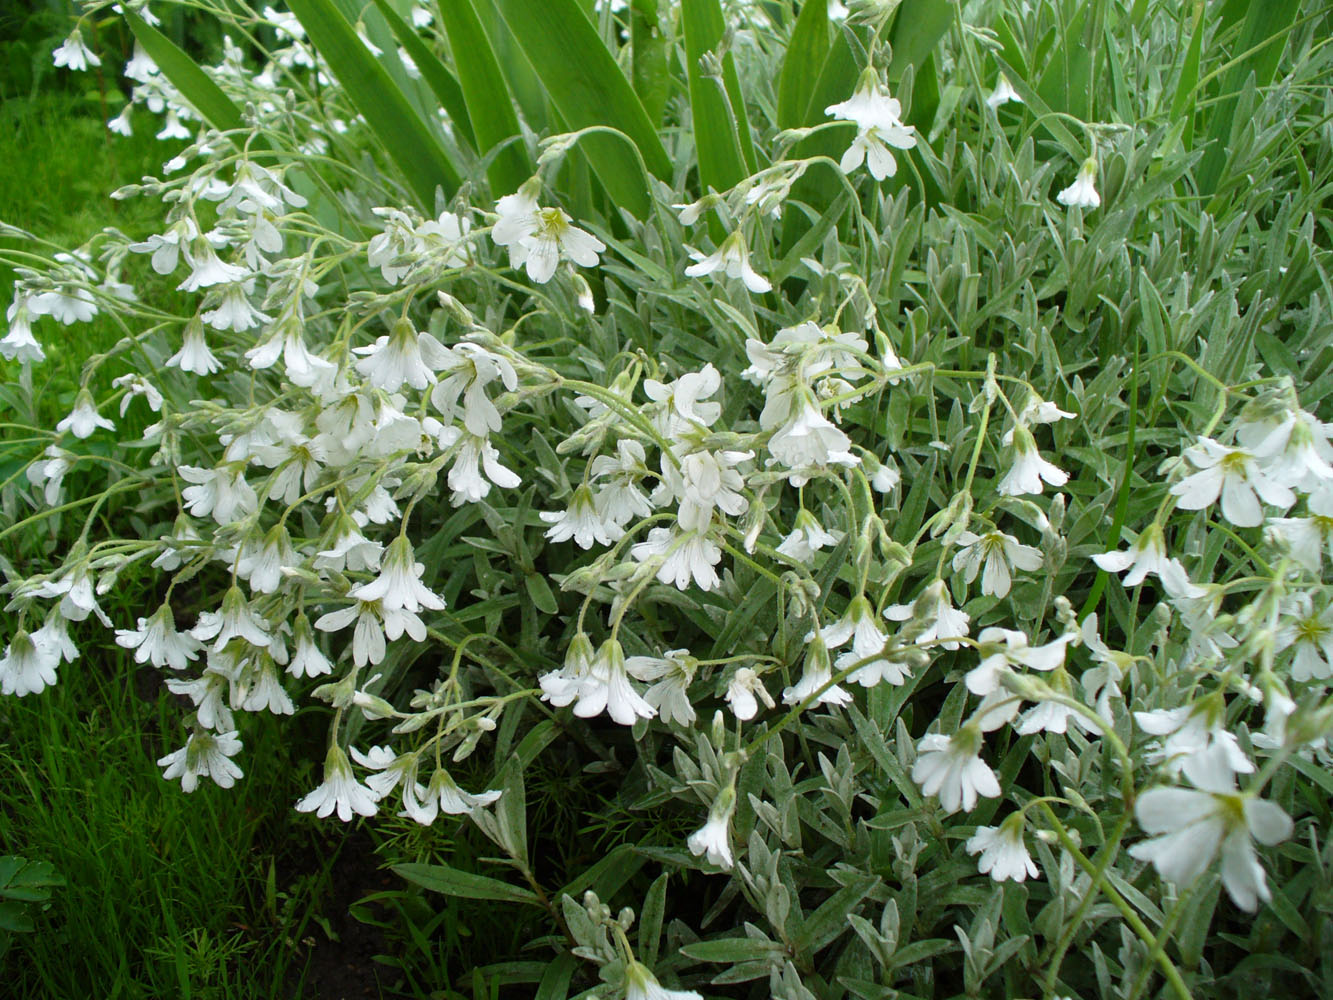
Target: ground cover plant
{"points": [[766, 499]]}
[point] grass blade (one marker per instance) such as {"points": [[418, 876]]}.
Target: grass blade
{"points": [[586, 88], [437, 76], [652, 78], [413, 146], [489, 104], [185, 75]]}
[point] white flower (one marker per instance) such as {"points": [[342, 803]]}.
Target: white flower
{"points": [[817, 674], [1004, 91], [862, 627], [1029, 470], [74, 54], [235, 620], [581, 521], [156, 641], [350, 549], [1298, 453], [471, 368], [641, 984], [806, 538], [368, 645], [1308, 538], [222, 492], [475, 456], [308, 660], [1233, 473], [204, 754], [878, 119], [194, 355], [48, 472], [1082, 193], [539, 238], [684, 402], [1192, 826], [19, 342], [442, 794], [1000, 648], [810, 440], [596, 686], [1146, 555], [670, 675], [733, 259], [1196, 742], [932, 610], [951, 768], [206, 692], [683, 556], [1310, 636], [339, 791], [28, 666], [1003, 853], [405, 356], [399, 582], [998, 552], [713, 837], [744, 685], [84, 419]]}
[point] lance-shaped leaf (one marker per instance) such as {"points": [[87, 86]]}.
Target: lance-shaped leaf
{"points": [[801, 66], [407, 138], [185, 75], [488, 101], [587, 88]]}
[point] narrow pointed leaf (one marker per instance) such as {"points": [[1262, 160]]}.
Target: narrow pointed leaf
{"points": [[437, 76], [408, 139], [586, 87], [652, 80], [489, 104], [452, 882], [185, 75]]}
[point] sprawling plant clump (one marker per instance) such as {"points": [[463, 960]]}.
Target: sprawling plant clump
{"points": [[893, 434]]}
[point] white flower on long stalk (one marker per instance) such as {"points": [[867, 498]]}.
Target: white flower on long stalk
{"points": [[206, 755], [339, 791], [398, 585], [732, 258], [998, 553], [806, 538], [879, 125], [1191, 826], [1147, 554], [1297, 452], [1083, 192], [619, 499], [809, 440], [1003, 853], [235, 620], [816, 675], [596, 685], [1235, 475], [48, 473], [951, 768]]}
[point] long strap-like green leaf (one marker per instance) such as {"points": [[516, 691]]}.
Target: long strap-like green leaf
{"points": [[489, 104], [801, 66], [407, 138], [721, 131], [437, 76], [185, 75], [587, 88]]}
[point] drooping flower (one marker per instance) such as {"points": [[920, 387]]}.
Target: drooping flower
{"points": [[155, 640], [817, 674], [84, 419], [398, 585], [441, 795], [935, 615], [582, 522], [205, 755], [1003, 853], [732, 257], [1028, 470], [670, 675], [1003, 92], [713, 838], [682, 556], [339, 791], [538, 238], [28, 667], [74, 54], [997, 553], [951, 768], [1083, 192], [742, 689]]}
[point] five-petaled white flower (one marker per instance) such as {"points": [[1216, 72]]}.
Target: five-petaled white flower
{"points": [[993, 554], [1192, 825], [339, 791], [713, 838], [537, 238], [73, 53], [205, 755], [951, 768], [1235, 475], [733, 259]]}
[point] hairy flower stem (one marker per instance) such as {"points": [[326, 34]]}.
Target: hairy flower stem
{"points": [[1136, 924]]}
